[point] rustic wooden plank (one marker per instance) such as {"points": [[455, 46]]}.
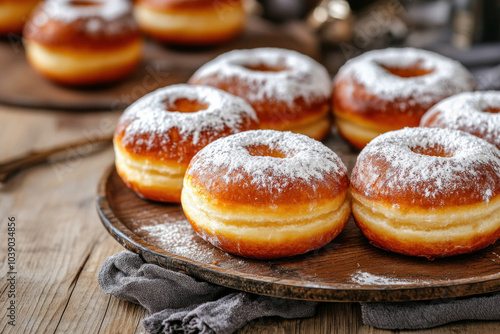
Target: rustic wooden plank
{"points": [[56, 220], [330, 318], [89, 309], [469, 327], [49, 251], [123, 318]]}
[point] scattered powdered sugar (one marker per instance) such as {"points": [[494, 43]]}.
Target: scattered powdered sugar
{"points": [[364, 278], [99, 14], [301, 77], [148, 115], [305, 159], [448, 77], [468, 112], [179, 238], [388, 167]]}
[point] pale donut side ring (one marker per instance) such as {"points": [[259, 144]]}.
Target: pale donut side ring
{"points": [[428, 192], [474, 112], [268, 194], [192, 22], [155, 140]]}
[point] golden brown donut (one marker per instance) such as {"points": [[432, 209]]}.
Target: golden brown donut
{"points": [[157, 136], [191, 22], [266, 194], [14, 14], [390, 89], [288, 90], [83, 42], [428, 192], [477, 113]]}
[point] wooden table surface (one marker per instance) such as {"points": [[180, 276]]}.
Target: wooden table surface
{"points": [[61, 244]]}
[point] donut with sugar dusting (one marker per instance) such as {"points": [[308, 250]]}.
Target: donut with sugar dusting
{"points": [[14, 14], [386, 90], [288, 90], [85, 42], [191, 22], [157, 136], [266, 194], [428, 192], [477, 113]]}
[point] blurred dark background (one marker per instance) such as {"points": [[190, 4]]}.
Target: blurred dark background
{"points": [[466, 30]]}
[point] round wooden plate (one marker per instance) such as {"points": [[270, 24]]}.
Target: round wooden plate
{"points": [[21, 86], [347, 269]]}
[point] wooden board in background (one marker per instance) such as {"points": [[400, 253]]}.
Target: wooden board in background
{"points": [[21, 86]]}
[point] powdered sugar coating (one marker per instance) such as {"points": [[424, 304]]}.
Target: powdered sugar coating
{"points": [[302, 77], [389, 169], [468, 112], [307, 163], [448, 77], [148, 118], [103, 16]]}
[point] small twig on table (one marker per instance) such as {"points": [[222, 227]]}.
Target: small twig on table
{"points": [[13, 166]]}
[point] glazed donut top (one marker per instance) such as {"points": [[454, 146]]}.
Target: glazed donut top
{"points": [[428, 167], [270, 74], [473, 112], [77, 22], [173, 119], [410, 75], [267, 167]]}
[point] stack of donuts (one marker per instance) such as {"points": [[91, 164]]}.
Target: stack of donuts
{"points": [[238, 148]]}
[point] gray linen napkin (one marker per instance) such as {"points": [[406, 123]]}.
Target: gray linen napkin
{"points": [[427, 314], [178, 303]]}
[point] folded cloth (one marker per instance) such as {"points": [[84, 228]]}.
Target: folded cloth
{"points": [[226, 314], [178, 303], [426, 314]]}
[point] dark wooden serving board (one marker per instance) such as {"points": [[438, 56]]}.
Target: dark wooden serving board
{"points": [[347, 269], [21, 86]]}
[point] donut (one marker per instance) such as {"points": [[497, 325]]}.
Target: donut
{"points": [[266, 194], [13, 15], [386, 90], [191, 22], [477, 113], [157, 136], [428, 192], [83, 42], [288, 90]]}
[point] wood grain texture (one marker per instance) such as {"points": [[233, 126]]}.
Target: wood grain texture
{"points": [[161, 66], [62, 243], [347, 269], [58, 233]]}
